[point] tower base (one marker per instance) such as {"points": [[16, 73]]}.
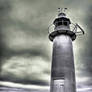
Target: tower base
{"points": [[63, 71]]}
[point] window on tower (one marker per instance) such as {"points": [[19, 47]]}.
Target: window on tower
{"points": [[65, 23]]}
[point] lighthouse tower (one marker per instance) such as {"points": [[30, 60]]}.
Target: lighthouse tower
{"points": [[62, 69]]}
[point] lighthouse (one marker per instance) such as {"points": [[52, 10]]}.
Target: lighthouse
{"points": [[62, 67]]}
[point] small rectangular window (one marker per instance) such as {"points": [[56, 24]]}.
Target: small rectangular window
{"points": [[58, 85]]}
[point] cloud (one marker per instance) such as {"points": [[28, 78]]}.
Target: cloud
{"points": [[26, 70], [22, 87]]}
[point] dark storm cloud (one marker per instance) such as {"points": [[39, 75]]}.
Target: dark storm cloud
{"points": [[8, 53], [4, 10], [5, 88], [87, 53], [13, 31], [84, 54], [12, 78]]}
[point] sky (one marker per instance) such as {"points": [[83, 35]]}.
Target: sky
{"points": [[25, 50]]}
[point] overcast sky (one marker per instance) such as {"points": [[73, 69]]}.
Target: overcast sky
{"points": [[25, 50]]}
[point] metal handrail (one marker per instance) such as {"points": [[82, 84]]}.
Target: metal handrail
{"points": [[75, 30]]}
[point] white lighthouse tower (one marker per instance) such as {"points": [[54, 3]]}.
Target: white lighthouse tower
{"points": [[62, 70]]}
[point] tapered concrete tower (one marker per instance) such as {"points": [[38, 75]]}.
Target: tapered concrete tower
{"points": [[62, 70]]}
